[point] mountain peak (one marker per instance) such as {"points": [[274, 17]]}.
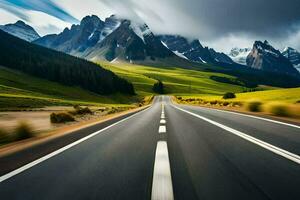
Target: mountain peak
{"points": [[20, 23], [21, 30], [91, 19], [265, 57]]}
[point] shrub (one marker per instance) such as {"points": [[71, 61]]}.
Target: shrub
{"points": [[226, 103], [229, 95], [80, 110], [23, 131], [4, 136], [61, 117], [254, 106], [281, 110]]}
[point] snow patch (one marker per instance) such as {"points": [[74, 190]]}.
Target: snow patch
{"points": [[180, 54]]}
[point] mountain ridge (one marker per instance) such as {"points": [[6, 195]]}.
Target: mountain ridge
{"points": [[265, 57], [21, 30]]}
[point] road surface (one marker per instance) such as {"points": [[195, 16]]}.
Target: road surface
{"points": [[168, 151]]}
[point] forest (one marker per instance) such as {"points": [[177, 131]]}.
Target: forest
{"points": [[59, 67]]}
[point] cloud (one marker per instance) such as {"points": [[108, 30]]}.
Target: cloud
{"points": [[80, 9], [42, 22], [46, 6], [222, 24]]}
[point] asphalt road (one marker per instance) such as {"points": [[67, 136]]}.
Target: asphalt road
{"points": [[167, 152]]}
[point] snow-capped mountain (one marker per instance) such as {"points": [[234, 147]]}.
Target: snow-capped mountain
{"points": [[193, 50], [79, 38], [110, 40], [293, 55], [239, 55], [264, 57], [21, 30]]}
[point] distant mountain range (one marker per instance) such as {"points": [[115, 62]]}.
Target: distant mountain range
{"points": [[116, 39], [293, 55], [193, 50], [21, 30], [112, 39]]}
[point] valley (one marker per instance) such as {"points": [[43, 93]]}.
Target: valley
{"points": [[157, 100]]}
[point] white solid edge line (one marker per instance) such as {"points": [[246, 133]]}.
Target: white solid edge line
{"points": [[286, 154], [255, 117], [46, 157], [162, 129], [162, 188]]}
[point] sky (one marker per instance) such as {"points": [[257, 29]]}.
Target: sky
{"points": [[220, 24]]}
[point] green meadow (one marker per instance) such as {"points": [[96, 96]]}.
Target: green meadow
{"points": [[177, 81], [278, 95], [18, 91]]}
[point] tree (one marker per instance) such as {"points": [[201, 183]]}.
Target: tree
{"points": [[229, 95], [158, 87]]}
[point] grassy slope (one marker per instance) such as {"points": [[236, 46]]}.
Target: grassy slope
{"points": [[281, 95], [21, 90], [178, 81]]}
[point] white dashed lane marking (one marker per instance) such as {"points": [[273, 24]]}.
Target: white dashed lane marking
{"points": [[162, 129], [162, 188]]}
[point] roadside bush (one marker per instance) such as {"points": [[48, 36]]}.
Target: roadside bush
{"points": [[281, 110], [254, 106], [4, 136], [229, 95], [61, 117], [23, 131], [81, 110], [225, 103]]}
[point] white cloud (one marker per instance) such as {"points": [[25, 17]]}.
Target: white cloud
{"points": [[226, 43], [46, 24], [7, 17], [83, 8], [42, 22]]}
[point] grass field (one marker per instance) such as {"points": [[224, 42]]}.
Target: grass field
{"points": [[177, 81], [18, 90], [279, 95]]}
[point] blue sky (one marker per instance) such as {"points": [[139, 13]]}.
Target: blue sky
{"points": [[46, 6]]}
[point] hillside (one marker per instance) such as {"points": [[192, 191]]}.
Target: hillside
{"points": [[59, 67], [291, 95], [19, 91], [177, 80]]}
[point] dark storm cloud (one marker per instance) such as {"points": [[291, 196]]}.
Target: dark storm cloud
{"points": [[262, 17], [273, 18]]}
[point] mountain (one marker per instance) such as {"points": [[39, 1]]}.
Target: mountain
{"points": [[55, 66], [293, 55], [193, 50], [113, 39], [21, 30], [239, 55], [264, 57]]}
